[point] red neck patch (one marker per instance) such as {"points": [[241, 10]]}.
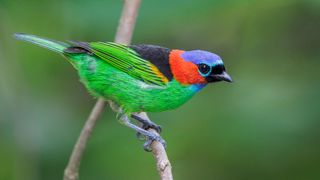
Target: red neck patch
{"points": [[183, 71]]}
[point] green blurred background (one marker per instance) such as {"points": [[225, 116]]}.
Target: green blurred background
{"points": [[264, 126]]}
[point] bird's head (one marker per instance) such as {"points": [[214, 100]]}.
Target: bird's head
{"points": [[197, 67]]}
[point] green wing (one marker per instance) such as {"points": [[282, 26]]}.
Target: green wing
{"points": [[128, 61]]}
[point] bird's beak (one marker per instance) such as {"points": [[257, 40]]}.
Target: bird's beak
{"points": [[224, 77]]}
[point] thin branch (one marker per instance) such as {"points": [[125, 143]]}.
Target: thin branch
{"points": [[124, 34], [127, 21], [159, 152], [72, 170]]}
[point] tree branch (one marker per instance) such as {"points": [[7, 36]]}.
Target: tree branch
{"points": [[127, 21], [123, 35], [159, 152], [72, 170]]}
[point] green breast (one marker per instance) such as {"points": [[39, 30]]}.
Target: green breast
{"points": [[105, 81]]}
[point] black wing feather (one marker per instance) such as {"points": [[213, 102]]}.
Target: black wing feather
{"points": [[157, 55]]}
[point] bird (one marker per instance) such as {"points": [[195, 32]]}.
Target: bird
{"points": [[138, 78]]}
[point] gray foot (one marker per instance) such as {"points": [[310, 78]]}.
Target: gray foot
{"points": [[149, 141], [149, 136], [146, 124]]}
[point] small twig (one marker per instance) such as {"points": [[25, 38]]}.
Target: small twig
{"points": [[72, 170], [159, 152], [124, 34], [127, 21]]}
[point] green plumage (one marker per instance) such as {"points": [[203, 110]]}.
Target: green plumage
{"points": [[116, 72], [126, 60]]}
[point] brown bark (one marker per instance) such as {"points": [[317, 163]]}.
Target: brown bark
{"points": [[159, 152]]}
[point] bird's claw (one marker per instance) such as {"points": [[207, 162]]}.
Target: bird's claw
{"points": [[146, 135], [149, 126], [152, 126], [149, 141], [156, 127], [140, 136]]}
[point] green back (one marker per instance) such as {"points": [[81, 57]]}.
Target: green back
{"points": [[128, 61]]}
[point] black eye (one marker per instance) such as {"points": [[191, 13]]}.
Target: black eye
{"points": [[204, 69], [218, 69]]}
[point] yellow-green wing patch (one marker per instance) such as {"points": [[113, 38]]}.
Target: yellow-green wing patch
{"points": [[128, 61]]}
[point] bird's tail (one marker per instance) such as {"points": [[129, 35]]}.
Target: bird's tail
{"points": [[53, 45]]}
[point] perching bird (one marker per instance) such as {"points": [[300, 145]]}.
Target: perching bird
{"points": [[139, 77]]}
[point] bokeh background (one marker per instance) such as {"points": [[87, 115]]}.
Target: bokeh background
{"points": [[263, 126]]}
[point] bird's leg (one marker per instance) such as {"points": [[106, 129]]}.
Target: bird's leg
{"points": [[124, 119], [146, 123]]}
